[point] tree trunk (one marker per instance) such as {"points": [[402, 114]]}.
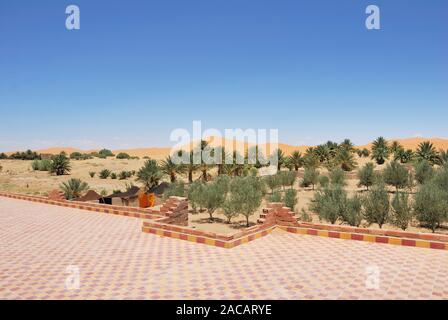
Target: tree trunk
{"points": [[247, 221], [190, 176], [204, 175], [172, 177]]}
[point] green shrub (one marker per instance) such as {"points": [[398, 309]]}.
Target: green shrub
{"points": [[275, 197], [214, 195], [337, 177], [123, 175], [175, 189], [92, 174], [113, 175], [311, 176], [376, 205], [196, 195], [287, 178], [290, 199], [395, 174], [423, 171], [104, 153], [401, 213], [329, 203], [352, 213], [104, 174], [305, 216], [123, 155], [35, 165], [366, 175], [272, 181], [150, 175], [323, 181], [229, 210], [431, 205]]}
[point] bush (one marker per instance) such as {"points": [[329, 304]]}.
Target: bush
{"points": [[290, 199], [337, 177], [150, 175], [123, 155], [175, 189], [104, 153], [272, 181], [91, 174], [352, 213], [275, 197], [376, 205], [76, 155], [396, 175], [113, 175], [310, 177], [323, 181], [3, 156], [195, 195], [123, 175], [431, 205], [423, 171], [60, 165], [287, 178], [366, 175], [401, 213], [329, 204], [305, 216], [104, 174], [35, 165]]}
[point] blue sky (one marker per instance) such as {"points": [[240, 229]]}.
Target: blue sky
{"points": [[136, 70]]}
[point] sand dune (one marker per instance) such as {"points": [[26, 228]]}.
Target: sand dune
{"points": [[161, 152]]}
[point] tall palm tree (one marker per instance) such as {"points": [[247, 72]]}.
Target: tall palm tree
{"points": [[404, 156], [380, 150], [170, 168], [296, 160], [311, 159], [189, 166], [427, 151], [280, 155], [204, 165], [73, 188]]}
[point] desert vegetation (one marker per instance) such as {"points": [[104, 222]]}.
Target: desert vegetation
{"points": [[332, 183]]}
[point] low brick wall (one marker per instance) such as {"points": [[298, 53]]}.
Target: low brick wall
{"points": [[367, 237]]}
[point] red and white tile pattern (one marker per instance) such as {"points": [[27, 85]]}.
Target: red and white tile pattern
{"points": [[117, 261]]}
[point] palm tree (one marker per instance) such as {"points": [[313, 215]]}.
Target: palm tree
{"points": [[311, 159], [296, 160], [323, 153], [346, 159], [189, 166], [404, 156], [380, 150], [73, 188], [396, 149], [427, 151], [204, 165], [149, 175], [347, 145], [280, 155], [170, 168], [60, 165], [443, 157]]}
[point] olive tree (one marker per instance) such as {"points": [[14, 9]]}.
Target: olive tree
{"points": [[401, 213], [396, 175], [431, 205], [376, 205], [329, 203], [246, 195], [310, 177], [366, 175], [423, 171]]}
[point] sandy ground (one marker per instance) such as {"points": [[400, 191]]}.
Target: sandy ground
{"points": [[45, 248]]}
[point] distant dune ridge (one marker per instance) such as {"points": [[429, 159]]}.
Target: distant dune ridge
{"points": [[162, 152]]}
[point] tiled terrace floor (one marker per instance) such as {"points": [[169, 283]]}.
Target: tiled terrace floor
{"points": [[117, 261]]}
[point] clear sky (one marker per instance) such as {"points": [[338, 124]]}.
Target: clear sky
{"points": [[136, 70]]}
